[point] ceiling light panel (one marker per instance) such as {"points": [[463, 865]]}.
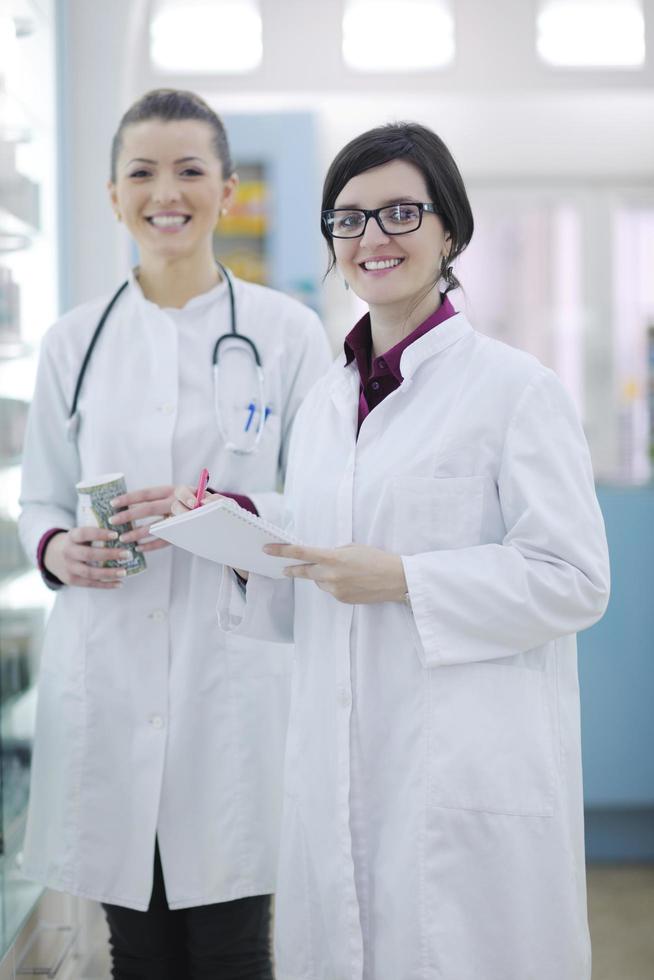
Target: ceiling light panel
{"points": [[220, 37], [398, 35], [591, 33]]}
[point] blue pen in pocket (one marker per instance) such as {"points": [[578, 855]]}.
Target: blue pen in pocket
{"points": [[251, 412]]}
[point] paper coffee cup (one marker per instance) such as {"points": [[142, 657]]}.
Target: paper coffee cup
{"points": [[94, 509]]}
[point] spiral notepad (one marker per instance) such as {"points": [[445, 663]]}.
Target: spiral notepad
{"points": [[223, 532]]}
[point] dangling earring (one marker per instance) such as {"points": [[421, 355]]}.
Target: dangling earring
{"points": [[118, 216], [346, 284], [447, 273]]}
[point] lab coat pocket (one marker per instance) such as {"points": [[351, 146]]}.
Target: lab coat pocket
{"points": [[491, 745], [436, 513], [251, 469], [248, 658]]}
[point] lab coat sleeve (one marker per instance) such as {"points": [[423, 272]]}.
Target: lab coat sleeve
{"points": [[50, 462], [549, 577], [308, 359], [261, 611]]}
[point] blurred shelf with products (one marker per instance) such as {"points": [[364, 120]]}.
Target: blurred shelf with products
{"points": [[269, 235], [243, 237], [28, 304]]}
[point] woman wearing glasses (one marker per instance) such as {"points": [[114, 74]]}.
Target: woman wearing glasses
{"points": [[441, 481], [159, 743]]}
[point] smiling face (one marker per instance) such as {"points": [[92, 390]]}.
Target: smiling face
{"points": [[391, 270], [169, 188]]}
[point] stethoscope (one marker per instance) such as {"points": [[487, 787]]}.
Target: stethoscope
{"points": [[74, 415]]}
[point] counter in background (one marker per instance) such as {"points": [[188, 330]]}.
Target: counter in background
{"points": [[616, 674]]}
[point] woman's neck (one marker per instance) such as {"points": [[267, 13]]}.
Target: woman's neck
{"points": [[389, 324], [172, 283]]}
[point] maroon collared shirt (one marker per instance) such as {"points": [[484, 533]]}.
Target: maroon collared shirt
{"points": [[383, 375]]}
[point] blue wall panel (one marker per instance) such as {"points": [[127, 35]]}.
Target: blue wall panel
{"points": [[616, 661]]}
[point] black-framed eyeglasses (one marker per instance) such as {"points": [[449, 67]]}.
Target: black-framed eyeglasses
{"points": [[394, 219]]}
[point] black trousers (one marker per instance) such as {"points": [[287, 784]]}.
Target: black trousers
{"points": [[226, 941]]}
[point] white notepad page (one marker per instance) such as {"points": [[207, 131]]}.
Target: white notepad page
{"points": [[225, 533]]}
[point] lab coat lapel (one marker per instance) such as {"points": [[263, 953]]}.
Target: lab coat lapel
{"points": [[434, 342], [344, 387]]}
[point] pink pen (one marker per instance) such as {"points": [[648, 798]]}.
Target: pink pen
{"points": [[202, 486]]}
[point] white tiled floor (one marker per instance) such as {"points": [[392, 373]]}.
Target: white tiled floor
{"points": [[621, 911], [98, 967]]}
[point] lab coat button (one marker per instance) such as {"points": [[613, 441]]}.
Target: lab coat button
{"points": [[156, 721], [158, 615], [344, 697], [167, 408]]}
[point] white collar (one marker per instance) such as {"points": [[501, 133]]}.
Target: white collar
{"points": [[194, 304], [438, 339]]}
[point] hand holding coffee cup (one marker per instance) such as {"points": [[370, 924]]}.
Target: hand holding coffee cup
{"points": [[95, 508], [71, 556], [146, 506]]}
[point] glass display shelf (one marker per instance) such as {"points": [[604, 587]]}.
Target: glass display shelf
{"points": [[17, 370], [10, 350], [28, 304], [13, 235], [24, 604], [20, 202]]}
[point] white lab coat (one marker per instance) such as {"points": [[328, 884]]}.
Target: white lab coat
{"points": [[149, 719], [433, 809]]}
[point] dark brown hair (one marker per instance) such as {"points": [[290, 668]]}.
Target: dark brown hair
{"points": [[168, 105], [425, 150]]}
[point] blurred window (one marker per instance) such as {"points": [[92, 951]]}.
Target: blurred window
{"points": [[219, 37], [591, 33], [564, 271], [398, 35]]}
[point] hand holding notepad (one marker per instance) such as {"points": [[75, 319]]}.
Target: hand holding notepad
{"points": [[223, 532]]}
